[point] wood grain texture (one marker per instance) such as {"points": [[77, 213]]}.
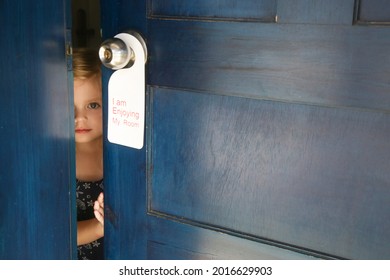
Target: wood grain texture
{"points": [[303, 175], [37, 150], [373, 11], [328, 12], [232, 10], [323, 65], [195, 243]]}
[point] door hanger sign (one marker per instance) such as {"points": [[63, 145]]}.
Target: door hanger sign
{"points": [[126, 53]]}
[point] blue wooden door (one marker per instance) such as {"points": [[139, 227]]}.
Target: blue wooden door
{"points": [[36, 144], [267, 131]]}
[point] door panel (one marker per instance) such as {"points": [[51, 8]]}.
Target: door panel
{"points": [[191, 241], [272, 133], [256, 167], [37, 150], [316, 12], [311, 64], [372, 12], [218, 10]]}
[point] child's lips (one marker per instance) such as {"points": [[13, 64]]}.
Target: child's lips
{"points": [[82, 130]]}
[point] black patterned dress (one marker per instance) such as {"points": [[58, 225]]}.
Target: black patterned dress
{"points": [[86, 194]]}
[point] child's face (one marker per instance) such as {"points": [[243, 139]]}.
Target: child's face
{"points": [[88, 109]]}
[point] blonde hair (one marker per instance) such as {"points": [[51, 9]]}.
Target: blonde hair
{"points": [[86, 63]]}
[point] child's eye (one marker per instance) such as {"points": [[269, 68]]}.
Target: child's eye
{"points": [[93, 105]]}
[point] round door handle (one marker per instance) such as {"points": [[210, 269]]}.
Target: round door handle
{"points": [[115, 54]]}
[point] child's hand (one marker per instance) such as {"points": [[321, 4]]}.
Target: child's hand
{"points": [[98, 208]]}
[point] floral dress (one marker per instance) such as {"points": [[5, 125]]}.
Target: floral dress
{"points": [[86, 194]]}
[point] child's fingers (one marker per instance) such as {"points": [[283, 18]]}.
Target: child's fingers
{"points": [[99, 217], [99, 212], [98, 207], [100, 199]]}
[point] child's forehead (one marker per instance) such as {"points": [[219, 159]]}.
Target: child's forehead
{"points": [[87, 90], [88, 84], [90, 80]]}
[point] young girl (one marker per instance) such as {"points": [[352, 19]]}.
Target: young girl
{"points": [[89, 153]]}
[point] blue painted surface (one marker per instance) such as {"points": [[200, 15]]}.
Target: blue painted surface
{"points": [[274, 134], [234, 10], [303, 175], [312, 64], [373, 11], [35, 133], [326, 12]]}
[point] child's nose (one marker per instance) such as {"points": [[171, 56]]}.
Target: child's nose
{"points": [[79, 115]]}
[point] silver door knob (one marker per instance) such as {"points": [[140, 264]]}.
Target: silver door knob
{"points": [[115, 54]]}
